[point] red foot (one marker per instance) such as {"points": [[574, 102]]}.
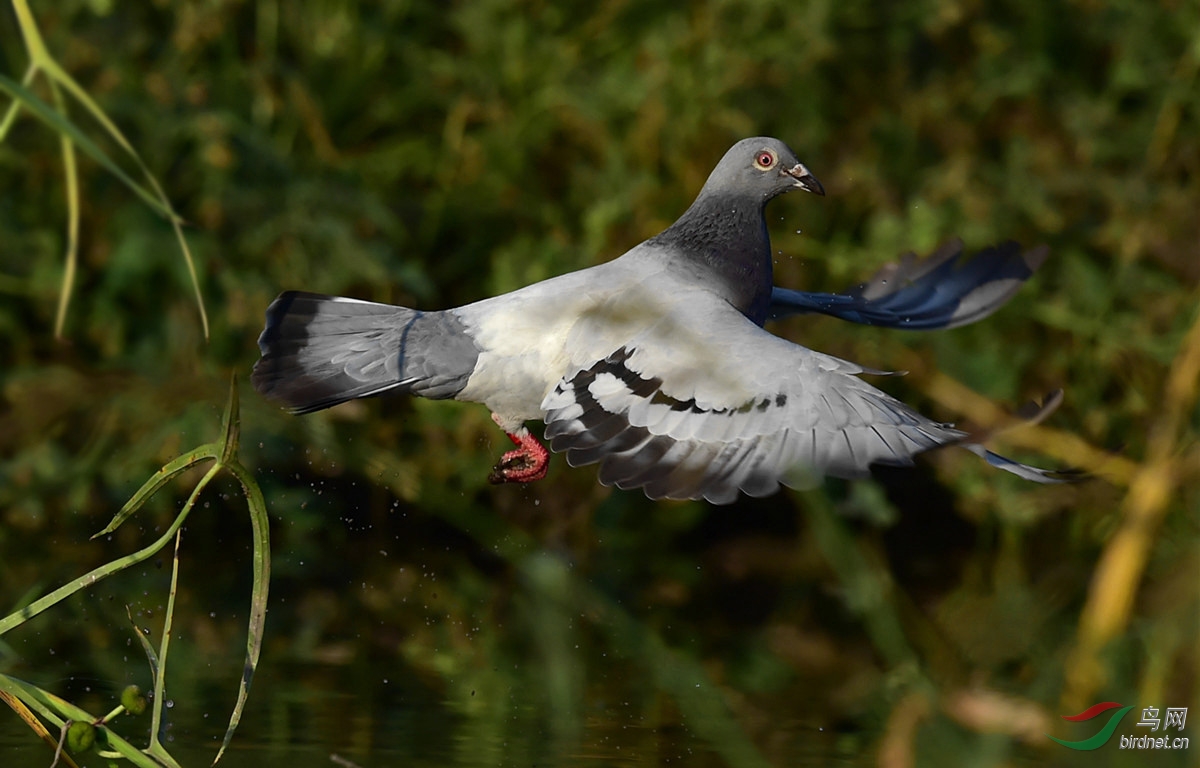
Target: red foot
{"points": [[524, 465]]}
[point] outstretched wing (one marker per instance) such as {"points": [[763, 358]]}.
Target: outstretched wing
{"points": [[943, 290], [704, 404]]}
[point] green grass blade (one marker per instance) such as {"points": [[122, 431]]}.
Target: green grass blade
{"points": [[29, 30], [151, 656], [40, 59], [205, 452], [36, 725], [155, 197], [60, 76], [71, 172], [58, 711], [160, 678], [231, 425], [63, 126], [258, 596], [14, 109], [17, 618], [189, 261]]}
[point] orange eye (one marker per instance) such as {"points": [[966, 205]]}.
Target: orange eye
{"points": [[765, 160]]}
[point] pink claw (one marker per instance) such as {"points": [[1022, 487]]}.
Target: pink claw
{"points": [[527, 463]]}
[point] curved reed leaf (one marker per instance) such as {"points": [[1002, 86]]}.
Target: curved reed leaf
{"points": [[223, 455], [58, 711], [40, 60]]}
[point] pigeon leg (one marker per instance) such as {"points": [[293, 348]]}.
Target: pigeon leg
{"points": [[527, 463]]}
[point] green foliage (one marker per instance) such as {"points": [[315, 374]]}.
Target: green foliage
{"points": [[432, 155], [83, 731]]}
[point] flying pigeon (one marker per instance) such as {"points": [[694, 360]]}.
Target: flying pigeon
{"points": [[656, 365]]}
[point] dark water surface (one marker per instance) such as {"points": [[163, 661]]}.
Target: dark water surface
{"points": [[386, 712], [408, 644], [502, 630]]}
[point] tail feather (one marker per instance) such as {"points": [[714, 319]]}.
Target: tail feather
{"points": [[319, 351]]}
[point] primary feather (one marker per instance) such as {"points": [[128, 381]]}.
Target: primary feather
{"points": [[943, 290]]}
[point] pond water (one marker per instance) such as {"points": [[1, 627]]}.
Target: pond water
{"points": [[407, 644], [360, 707], [635, 635]]}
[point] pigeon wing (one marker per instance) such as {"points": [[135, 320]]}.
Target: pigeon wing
{"points": [[942, 290], [704, 404]]}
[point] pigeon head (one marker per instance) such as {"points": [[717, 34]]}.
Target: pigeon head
{"points": [[722, 238], [760, 168]]}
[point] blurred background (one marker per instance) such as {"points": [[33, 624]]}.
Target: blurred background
{"points": [[432, 154]]}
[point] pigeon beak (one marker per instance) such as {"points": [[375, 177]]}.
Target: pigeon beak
{"points": [[804, 179]]}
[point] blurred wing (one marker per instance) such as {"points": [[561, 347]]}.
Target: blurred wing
{"points": [[704, 404], [943, 290]]}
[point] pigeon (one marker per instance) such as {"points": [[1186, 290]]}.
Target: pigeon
{"points": [[656, 365]]}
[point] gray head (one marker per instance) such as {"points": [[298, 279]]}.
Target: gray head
{"points": [[760, 167], [722, 238]]}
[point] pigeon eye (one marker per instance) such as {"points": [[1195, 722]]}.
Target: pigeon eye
{"points": [[765, 161]]}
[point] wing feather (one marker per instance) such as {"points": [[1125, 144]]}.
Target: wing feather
{"points": [[709, 405]]}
